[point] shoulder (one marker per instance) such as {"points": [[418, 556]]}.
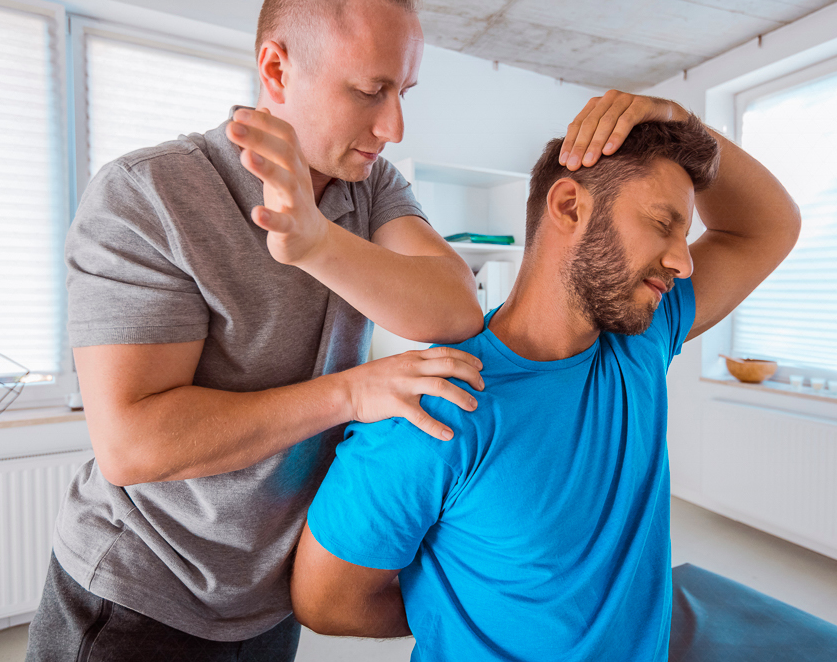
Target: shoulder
{"points": [[471, 428]]}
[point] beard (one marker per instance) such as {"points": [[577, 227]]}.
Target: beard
{"points": [[602, 285]]}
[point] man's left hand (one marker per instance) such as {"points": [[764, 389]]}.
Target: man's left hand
{"points": [[606, 121]]}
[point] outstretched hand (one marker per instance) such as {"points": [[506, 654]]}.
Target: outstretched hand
{"points": [[297, 230], [606, 121], [393, 386]]}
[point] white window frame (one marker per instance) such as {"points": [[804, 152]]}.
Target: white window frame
{"points": [[71, 30], [53, 392], [740, 102], [81, 26]]}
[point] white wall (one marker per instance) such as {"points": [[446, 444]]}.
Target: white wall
{"points": [[708, 90], [465, 113]]}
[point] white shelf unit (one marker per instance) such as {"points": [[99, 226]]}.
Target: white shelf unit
{"points": [[464, 199]]}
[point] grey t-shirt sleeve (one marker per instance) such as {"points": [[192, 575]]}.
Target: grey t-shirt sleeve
{"points": [[123, 282], [392, 197]]}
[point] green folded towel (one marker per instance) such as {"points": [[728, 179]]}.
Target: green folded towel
{"points": [[474, 238]]}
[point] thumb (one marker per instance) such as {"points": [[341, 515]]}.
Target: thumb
{"points": [[272, 221]]}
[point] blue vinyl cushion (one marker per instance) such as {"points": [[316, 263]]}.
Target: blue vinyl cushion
{"points": [[715, 619]]}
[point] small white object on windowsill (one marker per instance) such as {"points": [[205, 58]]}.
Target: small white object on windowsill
{"points": [[797, 382], [74, 402], [817, 383]]}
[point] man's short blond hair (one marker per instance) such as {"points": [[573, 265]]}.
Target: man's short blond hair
{"points": [[297, 25]]}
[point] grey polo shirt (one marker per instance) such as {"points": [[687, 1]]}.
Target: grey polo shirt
{"points": [[162, 250]]}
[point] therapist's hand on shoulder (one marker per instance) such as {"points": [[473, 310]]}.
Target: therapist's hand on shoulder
{"points": [[393, 386], [271, 151], [604, 123]]}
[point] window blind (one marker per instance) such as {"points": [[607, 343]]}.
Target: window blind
{"points": [[792, 316], [139, 96], [33, 214]]}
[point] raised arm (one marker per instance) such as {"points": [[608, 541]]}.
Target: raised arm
{"points": [[407, 279], [332, 596], [751, 221]]}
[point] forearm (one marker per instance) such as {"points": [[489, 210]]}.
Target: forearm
{"points": [[424, 298], [191, 432], [747, 202]]}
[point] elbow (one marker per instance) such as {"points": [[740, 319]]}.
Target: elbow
{"points": [[313, 611], [794, 225], [115, 467], [119, 457], [470, 324]]}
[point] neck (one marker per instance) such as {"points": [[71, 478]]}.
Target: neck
{"points": [[539, 321], [320, 182]]}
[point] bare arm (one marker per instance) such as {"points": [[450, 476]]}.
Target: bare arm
{"points": [[751, 221], [407, 279], [149, 423], [334, 597]]}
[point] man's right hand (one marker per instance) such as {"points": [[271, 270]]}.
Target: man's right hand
{"points": [[393, 386]]}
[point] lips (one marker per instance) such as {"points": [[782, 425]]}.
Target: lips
{"points": [[372, 156], [658, 286]]}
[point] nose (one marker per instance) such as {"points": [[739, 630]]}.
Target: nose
{"points": [[678, 259], [389, 124]]}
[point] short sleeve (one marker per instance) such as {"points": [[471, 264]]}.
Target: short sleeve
{"points": [[124, 286], [675, 316], [392, 197], [383, 492]]}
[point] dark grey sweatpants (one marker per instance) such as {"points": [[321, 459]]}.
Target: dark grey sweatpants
{"points": [[73, 625]]}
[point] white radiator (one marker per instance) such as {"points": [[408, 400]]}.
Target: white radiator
{"points": [[774, 470], [31, 490]]}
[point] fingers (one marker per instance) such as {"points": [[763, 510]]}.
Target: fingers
{"points": [[276, 149], [443, 352], [262, 120], [573, 131], [424, 422], [450, 366], [606, 121], [593, 129]]}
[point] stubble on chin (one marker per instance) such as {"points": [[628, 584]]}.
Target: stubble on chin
{"points": [[601, 284]]}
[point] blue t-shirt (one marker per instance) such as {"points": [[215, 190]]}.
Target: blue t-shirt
{"points": [[541, 531]]}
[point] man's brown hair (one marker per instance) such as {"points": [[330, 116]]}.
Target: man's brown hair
{"points": [[687, 143], [296, 24]]}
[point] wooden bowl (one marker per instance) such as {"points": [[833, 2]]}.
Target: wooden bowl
{"points": [[751, 371]]}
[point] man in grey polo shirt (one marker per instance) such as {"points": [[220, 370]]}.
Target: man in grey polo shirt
{"points": [[220, 358]]}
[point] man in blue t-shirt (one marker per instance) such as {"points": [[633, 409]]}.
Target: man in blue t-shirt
{"points": [[541, 531]]}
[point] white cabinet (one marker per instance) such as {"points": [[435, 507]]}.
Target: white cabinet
{"points": [[463, 199]]}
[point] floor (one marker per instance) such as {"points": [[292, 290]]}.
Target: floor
{"points": [[778, 568]]}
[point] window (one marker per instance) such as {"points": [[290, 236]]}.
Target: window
{"points": [[33, 189], [140, 91], [792, 316], [129, 89]]}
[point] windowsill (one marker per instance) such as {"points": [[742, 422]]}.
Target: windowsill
{"points": [[39, 416], [778, 387]]}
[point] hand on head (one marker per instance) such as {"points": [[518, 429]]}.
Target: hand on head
{"points": [[604, 123]]}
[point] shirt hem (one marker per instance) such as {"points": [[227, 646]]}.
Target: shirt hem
{"points": [[137, 335]]}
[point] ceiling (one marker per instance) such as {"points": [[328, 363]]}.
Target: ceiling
{"points": [[625, 44]]}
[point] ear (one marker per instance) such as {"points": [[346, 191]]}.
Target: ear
{"points": [[273, 70], [565, 206]]}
